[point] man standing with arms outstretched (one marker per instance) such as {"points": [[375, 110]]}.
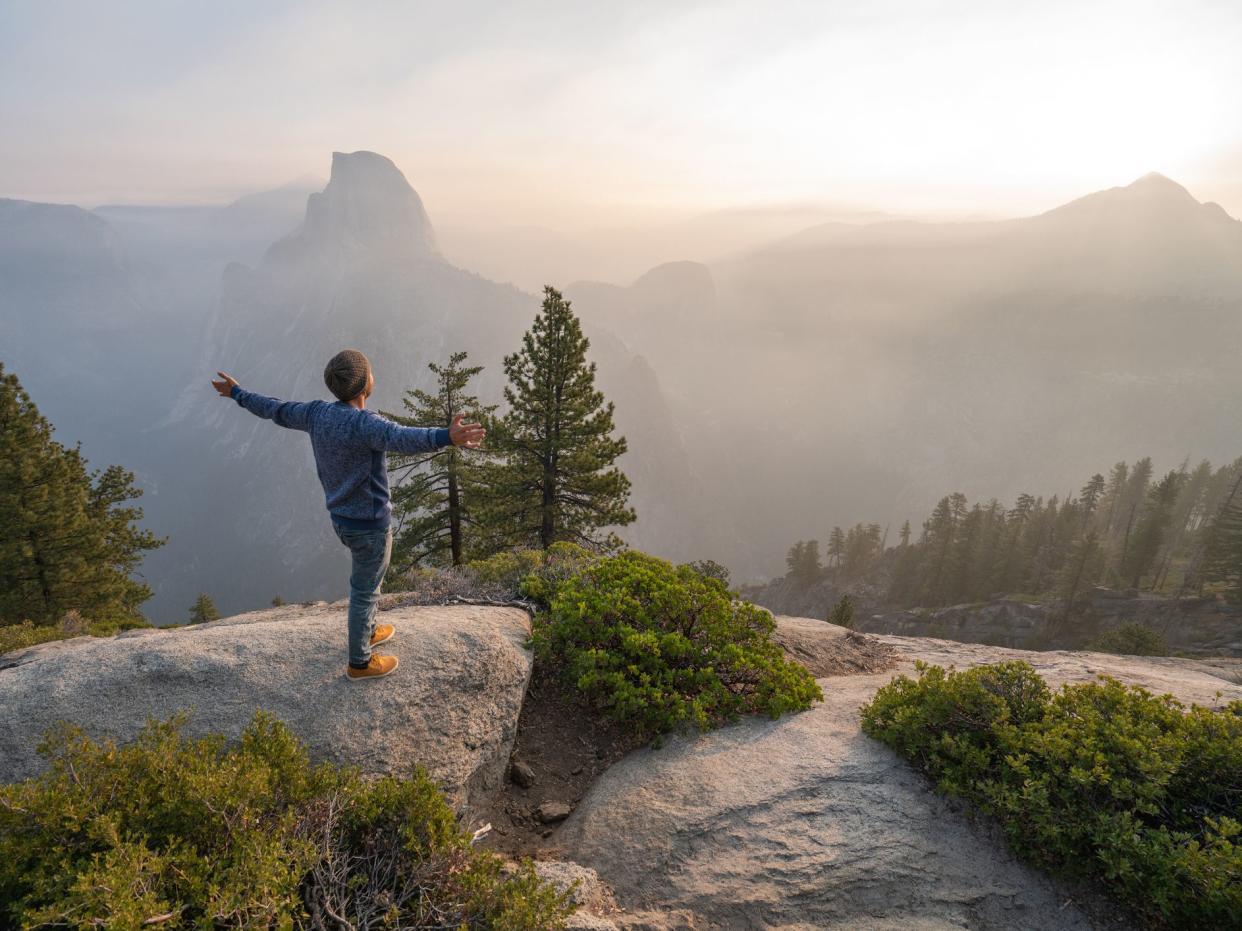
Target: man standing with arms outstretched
{"points": [[349, 443]]}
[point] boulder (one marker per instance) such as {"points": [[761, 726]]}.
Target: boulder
{"points": [[804, 822], [452, 705]]}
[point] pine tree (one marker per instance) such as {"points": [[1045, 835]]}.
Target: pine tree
{"points": [[842, 613], [802, 563], [1113, 492], [69, 539], [836, 547], [1151, 527], [1081, 571], [1223, 547], [203, 610], [557, 479], [1091, 495], [431, 498], [1133, 496]]}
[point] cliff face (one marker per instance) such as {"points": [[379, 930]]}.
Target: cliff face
{"points": [[367, 205]]}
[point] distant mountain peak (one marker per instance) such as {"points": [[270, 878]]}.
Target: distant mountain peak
{"points": [[1153, 198], [1154, 182], [367, 204]]}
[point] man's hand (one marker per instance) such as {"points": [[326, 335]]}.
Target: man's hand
{"points": [[225, 385], [469, 435]]}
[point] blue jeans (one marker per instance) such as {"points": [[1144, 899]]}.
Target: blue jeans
{"points": [[371, 550]]}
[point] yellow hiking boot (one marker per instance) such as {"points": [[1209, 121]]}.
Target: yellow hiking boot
{"points": [[379, 667], [383, 632]]}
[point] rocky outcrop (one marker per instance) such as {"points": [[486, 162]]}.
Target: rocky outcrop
{"points": [[368, 204], [804, 822], [452, 705]]}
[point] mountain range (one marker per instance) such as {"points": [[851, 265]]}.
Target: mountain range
{"points": [[853, 371]]}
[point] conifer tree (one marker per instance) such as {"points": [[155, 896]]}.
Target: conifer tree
{"points": [[1081, 571], [1113, 491], [203, 610], [842, 613], [1151, 527], [1133, 496], [1091, 495], [557, 478], [836, 547], [69, 540], [802, 563], [431, 499], [1223, 548]]}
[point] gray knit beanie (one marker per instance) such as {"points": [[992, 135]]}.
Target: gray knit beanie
{"points": [[346, 374]]}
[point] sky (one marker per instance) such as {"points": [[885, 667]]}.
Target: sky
{"points": [[568, 112]]}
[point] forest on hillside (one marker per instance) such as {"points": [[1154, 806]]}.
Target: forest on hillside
{"points": [[1177, 534]]}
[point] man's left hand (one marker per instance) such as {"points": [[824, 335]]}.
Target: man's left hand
{"points": [[469, 435]]}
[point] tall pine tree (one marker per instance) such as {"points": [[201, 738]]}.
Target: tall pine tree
{"points": [[557, 478], [69, 540], [1223, 549], [1151, 527], [431, 497]]}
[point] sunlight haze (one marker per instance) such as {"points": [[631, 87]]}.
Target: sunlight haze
{"points": [[575, 115]]}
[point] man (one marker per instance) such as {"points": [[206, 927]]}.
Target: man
{"points": [[349, 443]]}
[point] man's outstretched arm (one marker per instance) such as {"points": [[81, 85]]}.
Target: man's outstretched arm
{"points": [[385, 435], [292, 414]]}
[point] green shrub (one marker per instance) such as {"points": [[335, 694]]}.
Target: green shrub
{"points": [[26, 634], [655, 645], [176, 833], [506, 568], [1100, 780], [560, 562], [1130, 640]]}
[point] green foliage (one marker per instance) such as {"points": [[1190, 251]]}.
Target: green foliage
{"points": [[556, 478], [561, 561], [203, 610], [1130, 640], [842, 613], [1181, 532], [802, 565], [70, 539], [26, 634], [432, 498], [179, 834], [507, 568], [1099, 780], [1223, 545], [1151, 528], [711, 569], [656, 646]]}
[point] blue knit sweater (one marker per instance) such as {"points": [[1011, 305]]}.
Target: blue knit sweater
{"points": [[349, 446]]}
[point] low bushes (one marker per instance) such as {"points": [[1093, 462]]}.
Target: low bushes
{"points": [[654, 645], [174, 833], [1099, 780], [1130, 640], [26, 634]]}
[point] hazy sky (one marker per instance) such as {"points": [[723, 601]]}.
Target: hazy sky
{"points": [[512, 112]]}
